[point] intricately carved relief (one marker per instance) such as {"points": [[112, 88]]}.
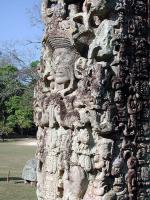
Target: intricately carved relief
{"points": [[91, 101]]}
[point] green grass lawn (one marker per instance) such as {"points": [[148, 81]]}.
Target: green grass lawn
{"points": [[13, 158]]}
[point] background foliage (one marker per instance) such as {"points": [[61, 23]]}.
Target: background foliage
{"points": [[16, 98]]}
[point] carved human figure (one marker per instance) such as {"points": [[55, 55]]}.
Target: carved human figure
{"points": [[103, 154], [45, 113], [98, 186], [118, 171], [84, 150], [63, 61], [131, 175]]}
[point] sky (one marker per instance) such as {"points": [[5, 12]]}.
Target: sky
{"points": [[15, 23]]}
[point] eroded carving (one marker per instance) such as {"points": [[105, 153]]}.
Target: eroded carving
{"points": [[91, 102]]}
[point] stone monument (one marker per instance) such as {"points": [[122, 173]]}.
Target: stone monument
{"points": [[92, 101], [29, 174]]}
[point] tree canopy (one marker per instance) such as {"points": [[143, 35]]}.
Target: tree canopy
{"points": [[16, 97]]}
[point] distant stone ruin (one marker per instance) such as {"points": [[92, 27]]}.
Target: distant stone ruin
{"points": [[29, 172], [92, 101]]}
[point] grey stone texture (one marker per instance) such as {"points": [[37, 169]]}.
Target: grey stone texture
{"points": [[88, 105], [29, 171]]}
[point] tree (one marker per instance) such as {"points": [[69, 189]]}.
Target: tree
{"points": [[10, 86], [16, 97], [9, 82], [19, 112]]}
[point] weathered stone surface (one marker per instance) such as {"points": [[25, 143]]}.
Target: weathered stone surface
{"points": [[92, 101], [101, 47], [29, 171]]}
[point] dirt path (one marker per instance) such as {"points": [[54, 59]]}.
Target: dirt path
{"points": [[26, 142]]}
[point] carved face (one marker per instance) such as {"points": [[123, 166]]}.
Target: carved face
{"points": [[105, 148], [63, 63], [103, 153]]}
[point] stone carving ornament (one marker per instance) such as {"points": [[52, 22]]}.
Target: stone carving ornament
{"points": [[91, 101]]}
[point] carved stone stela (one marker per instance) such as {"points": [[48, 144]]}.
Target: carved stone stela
{"points": [[92, 101]]}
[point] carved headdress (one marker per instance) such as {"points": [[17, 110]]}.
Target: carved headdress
{"points": [[59, 39], [64, 54], [59, 35]]}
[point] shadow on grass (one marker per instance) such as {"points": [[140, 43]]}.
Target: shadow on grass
{"points": [[7, 141], [16, 179], [3, 141]]}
